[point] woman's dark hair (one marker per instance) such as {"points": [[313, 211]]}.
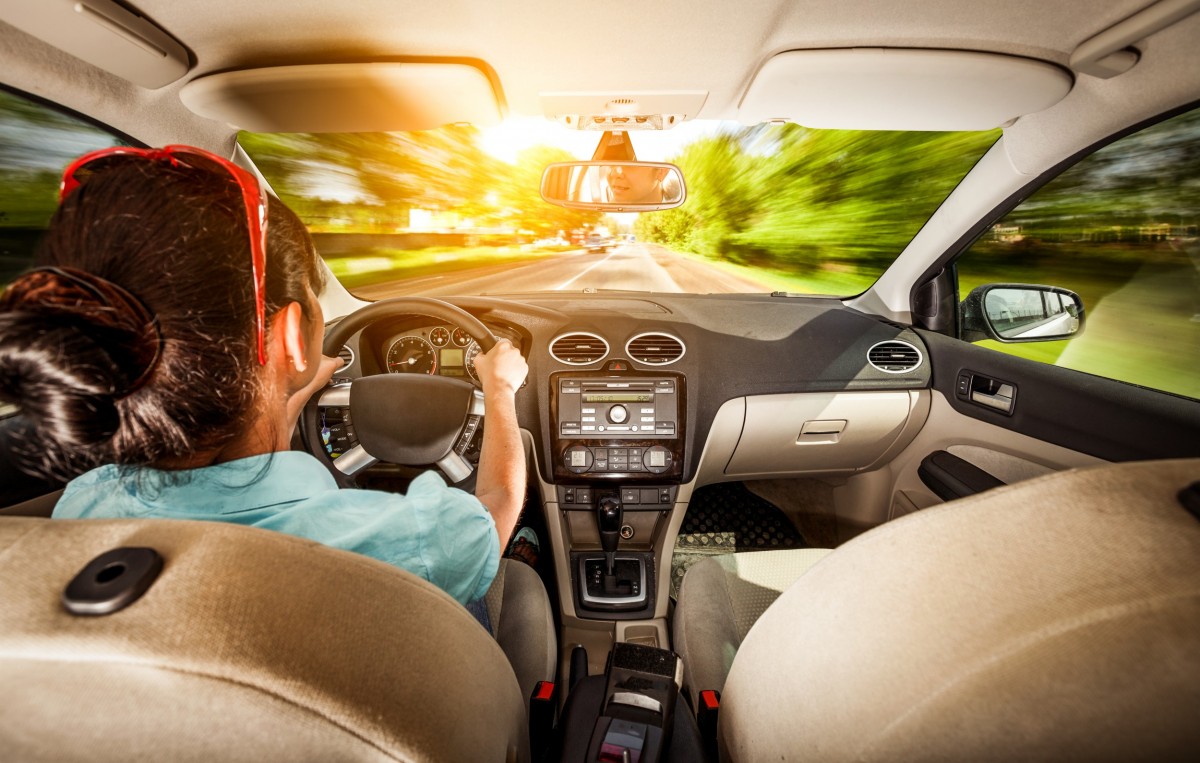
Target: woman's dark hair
{"points": [[175, 238]]}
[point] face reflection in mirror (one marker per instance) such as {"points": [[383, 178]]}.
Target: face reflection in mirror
{"points": [[634, 185], [612, 185]]}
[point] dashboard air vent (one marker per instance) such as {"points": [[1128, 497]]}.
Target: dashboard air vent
{"points": [[655, 349], [578, 348], [894, 357], [347, 356]]}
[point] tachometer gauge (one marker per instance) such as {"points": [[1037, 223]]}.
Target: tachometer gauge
{"points": [[411, 355], [439, 337], [461, 338], [472, 351]]}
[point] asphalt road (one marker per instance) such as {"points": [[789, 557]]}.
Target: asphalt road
{"points": [[630, 266]]}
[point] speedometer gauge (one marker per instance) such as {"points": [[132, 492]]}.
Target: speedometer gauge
{"points": [[472, 351], [411, 355]]}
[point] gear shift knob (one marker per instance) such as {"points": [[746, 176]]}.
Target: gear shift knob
{"points": [[608, 517]]}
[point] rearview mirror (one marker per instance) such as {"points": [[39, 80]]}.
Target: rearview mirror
{"points": [[614, 186], [1021, 313]]}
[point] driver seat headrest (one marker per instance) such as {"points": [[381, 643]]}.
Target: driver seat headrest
{"points": [[1053, 619], [249, 645]]}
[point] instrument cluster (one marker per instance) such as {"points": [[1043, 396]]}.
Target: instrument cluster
{"points": [[442, 349]]}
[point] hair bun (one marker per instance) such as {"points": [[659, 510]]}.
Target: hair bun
{"points": [[97, 301]]}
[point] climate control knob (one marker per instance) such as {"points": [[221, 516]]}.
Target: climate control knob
{"points": [[618, 414]]}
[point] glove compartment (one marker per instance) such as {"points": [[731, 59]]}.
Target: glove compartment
{"points": [[825, 432]]}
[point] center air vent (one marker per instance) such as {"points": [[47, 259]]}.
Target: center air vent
{"points": [[578, 348], [894, 357], [655, 349], [347, 355]]}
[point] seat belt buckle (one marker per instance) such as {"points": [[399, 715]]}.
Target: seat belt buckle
{"points": [[707, 711], [543, 711]]}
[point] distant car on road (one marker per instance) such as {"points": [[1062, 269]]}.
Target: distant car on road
{"points": [[597, 244]]}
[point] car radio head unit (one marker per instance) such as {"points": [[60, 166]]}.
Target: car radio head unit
{"points": [[617, 409], [606, 426]]}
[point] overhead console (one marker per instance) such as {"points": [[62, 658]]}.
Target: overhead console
{"points": [[607, 427]]}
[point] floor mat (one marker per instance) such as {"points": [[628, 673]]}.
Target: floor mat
{"points": [[725, 518]]}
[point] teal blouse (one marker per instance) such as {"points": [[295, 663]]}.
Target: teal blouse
{"points": [[437, 532]]}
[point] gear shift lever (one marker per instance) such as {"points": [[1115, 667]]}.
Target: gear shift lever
{"points": [[608, 517]]}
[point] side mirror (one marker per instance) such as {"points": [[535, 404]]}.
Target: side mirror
{"points": [[1010, 312], [614, 186]]}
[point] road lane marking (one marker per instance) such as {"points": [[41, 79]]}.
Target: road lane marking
{"points": [[587, 270]]}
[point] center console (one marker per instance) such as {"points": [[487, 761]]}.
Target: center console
{"points": [[617, 452]]}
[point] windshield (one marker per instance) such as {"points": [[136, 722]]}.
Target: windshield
{"points": [[769, 208]]}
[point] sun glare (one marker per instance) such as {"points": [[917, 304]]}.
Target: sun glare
{"points": [[514, 135]]}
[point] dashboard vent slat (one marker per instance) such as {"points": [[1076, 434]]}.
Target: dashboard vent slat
{"points": [[655, 348], [347, 355], [578, 348], [894, 357]]}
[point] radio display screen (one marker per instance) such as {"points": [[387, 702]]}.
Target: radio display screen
{"points": [[618, 397]]}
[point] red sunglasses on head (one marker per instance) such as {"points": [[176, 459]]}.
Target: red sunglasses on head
{"points": [[253, 195]]}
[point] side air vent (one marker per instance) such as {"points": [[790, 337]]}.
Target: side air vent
{"points": [[578, 348], [655, 349], [894, 357], [347, 356]]}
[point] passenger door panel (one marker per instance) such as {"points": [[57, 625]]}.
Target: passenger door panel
{"points": [[1107, 419]]}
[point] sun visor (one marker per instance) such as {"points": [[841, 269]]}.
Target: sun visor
{"points": [[901, 89], [362, 97], [106, 35]]}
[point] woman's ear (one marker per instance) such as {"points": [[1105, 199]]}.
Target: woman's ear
{"points": [[290, 338]]}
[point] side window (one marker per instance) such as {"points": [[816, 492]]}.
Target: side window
{"points": [[1120, 230], [36, 143]]}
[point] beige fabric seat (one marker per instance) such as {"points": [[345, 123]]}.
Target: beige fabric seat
{"points": [[720, 599], [1054, 619], [251, 645]]}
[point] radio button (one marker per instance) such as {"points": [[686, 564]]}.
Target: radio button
{"points": [[588, 410], [588, 418], [589, 427], [648, 410], [645, 419], [618, 414]]}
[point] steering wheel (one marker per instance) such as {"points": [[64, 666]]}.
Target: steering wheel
{"points": [[407, 419]]}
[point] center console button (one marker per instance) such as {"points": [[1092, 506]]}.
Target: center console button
{"points": [[577, 459], [657, 459], [618, 414]]}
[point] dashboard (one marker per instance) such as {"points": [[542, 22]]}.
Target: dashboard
{"points": [[726, 358]]}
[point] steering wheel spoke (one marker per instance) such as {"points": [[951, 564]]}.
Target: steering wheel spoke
{"points": [[354, 460], [455, 467]]}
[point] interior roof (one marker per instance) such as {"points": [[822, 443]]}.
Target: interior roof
{"points": [[536, 46]]}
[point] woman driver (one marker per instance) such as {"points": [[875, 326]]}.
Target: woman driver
{"points": [[163, 346]]}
